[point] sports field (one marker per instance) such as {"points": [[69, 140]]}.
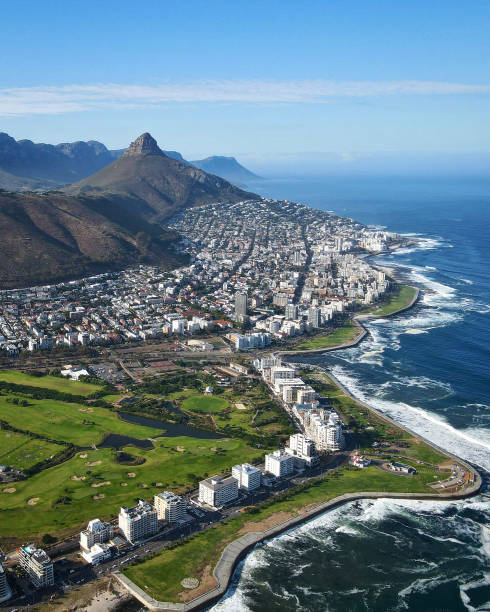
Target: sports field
{"points": [[205, 403]]}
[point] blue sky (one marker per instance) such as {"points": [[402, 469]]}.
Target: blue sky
{"points": [[255, 79]]}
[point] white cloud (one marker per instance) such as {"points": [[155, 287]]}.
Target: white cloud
{"points": [[76, 98]]}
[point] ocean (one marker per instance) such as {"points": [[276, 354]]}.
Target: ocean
{"points": [[428, 369]]}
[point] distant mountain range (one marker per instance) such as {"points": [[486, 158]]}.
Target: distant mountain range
{"points": [[226, 167], [146, 180], [108, 221], [25, 165]]}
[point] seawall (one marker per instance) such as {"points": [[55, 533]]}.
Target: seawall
{"points": [[357, 320], [235, 551]]}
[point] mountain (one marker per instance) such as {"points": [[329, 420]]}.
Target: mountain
{"points": [[49, 165], [25, 165], [148, 182], [226, 167], [52, 237], [11, 182], [176, 155]]}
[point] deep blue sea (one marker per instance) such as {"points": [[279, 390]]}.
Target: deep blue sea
{"points": [[428, 369]]}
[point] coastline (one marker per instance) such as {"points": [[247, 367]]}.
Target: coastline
{"points": [[237, 549], [363, 332]]}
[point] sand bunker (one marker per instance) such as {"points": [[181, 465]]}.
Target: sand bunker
{"points": [[33, 501], [92, 463], [181, 449], [123, 484], [10, 490], [99, 496], [78, 477], [85, 409], [96, 485], [158, 484], [83, 456], [131, 475]]}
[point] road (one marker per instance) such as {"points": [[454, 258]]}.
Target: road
{"points": [[69, 575]]}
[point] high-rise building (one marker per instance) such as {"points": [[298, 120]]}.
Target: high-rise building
{"points": [[240, 306], [248, 476], [291, 312], [5, 592], [37, 565], [139, 522], [301, 445], [314, 316], [218, 491], [169, 507], [96, 533], [279, 463]]}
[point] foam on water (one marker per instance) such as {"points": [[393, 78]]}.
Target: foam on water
{"points": [[363, 520], [464, 443]]}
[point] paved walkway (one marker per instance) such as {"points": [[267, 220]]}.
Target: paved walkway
{"points": [[235, 551]]}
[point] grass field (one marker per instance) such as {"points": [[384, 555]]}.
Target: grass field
{"points": [[160, 576], [174, 463], [347, 333], [21, 452], [205, 403], [67, 422], [49, 382], [360, 418], [400, 298]]}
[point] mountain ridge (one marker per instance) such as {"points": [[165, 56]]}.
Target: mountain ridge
{"points": [[145, 179], [25, 165]]}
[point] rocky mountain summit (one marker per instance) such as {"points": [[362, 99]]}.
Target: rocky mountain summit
{"points": [[146, 180]]}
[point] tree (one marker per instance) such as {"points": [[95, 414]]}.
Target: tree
{"points": [[48, 539]]}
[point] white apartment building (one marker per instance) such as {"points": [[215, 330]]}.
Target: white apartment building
{"points": [[303, 450], [248, 476], [5, 592], [37, 565], [96, 533], [301, 445], [325, 432], [217, 491], [306, 395], [280, 463], [139, 522], [97, 553], [281, 373], [169, 507], [282, 383]]}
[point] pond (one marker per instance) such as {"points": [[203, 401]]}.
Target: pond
{"points": [[172, 430], [117, 441]]}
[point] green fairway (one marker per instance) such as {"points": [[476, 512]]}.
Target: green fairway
{"points": [[20, 452], [175, 464], [73, 423], [205, 403], [347, 333], [161, 576], [49, 382], [400, 298]]}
